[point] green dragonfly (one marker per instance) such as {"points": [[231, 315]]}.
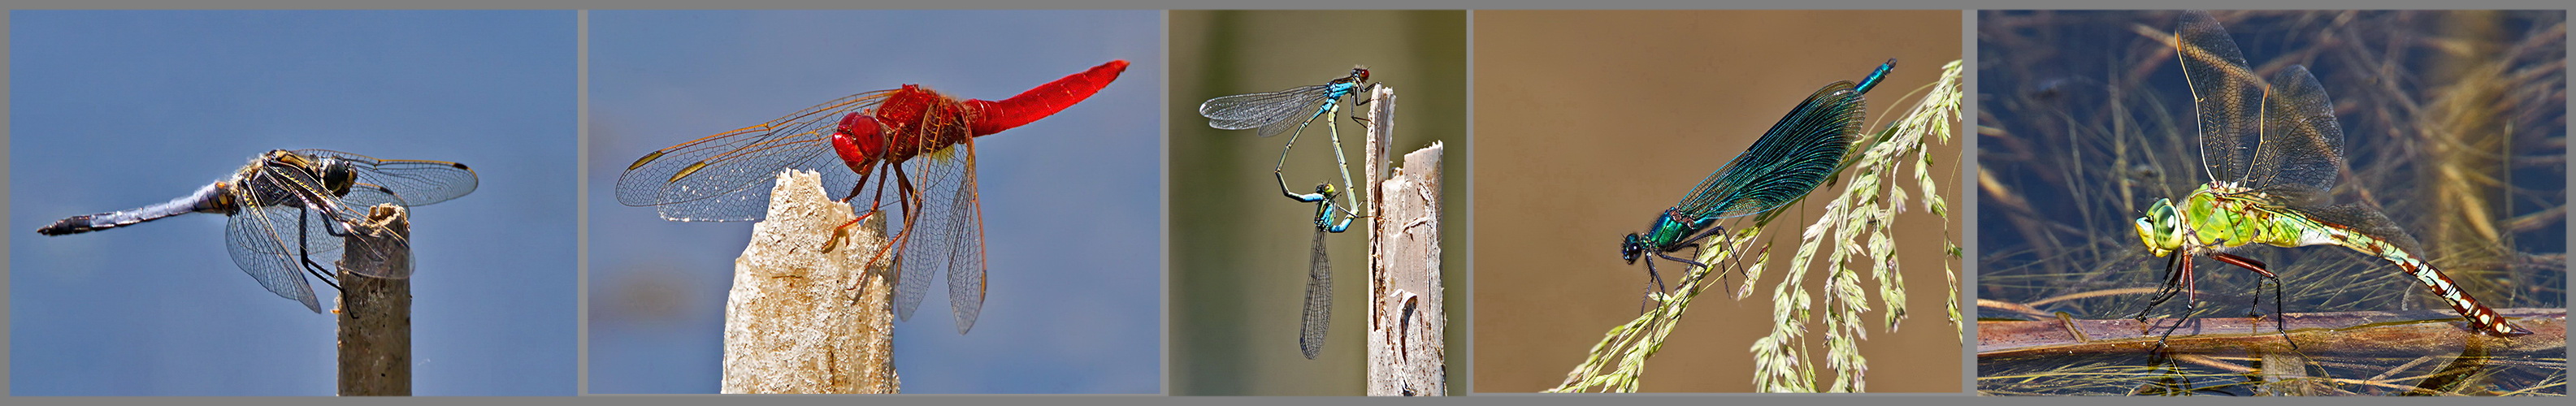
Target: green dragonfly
{"points": [[2273, 152]]}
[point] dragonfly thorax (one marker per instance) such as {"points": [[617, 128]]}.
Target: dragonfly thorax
{"points": [[1666, 234], [2222, 187], [288, 178], [2221, 216], [910, 122]]}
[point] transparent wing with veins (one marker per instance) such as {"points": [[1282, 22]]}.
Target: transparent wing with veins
{"points": [[718, 177]]}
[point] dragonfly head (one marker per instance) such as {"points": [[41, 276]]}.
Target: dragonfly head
{"points": [[1359, 72], [860, 140], [1637, 245], [336, 175], [1630, 248], [2161, 228]]}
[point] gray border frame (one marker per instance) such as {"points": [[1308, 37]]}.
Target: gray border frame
{"points": [[1969, 233]]}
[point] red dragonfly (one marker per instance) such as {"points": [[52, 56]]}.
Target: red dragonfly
{"points": [[872, 137]]}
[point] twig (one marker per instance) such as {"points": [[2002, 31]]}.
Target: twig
{"points": [[2408, 333]]}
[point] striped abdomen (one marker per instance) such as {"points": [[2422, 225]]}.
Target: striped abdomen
{"points": [[2485, 320]]}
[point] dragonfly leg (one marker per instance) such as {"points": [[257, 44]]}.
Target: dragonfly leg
{"points": [[841, 233], [1659, 279], [2243, 262], [1733, 261], [2190, 291], [876, 207], [304, 251], [876, 204], [1649, 303], [2164, 291], [2279, 316], [2177, 275], [318, 271], [1292, 194]]}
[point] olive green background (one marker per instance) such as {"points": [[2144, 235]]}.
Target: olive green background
{"points": [[1239, 250], [1588, 124]]}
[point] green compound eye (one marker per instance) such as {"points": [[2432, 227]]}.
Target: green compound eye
{"points": [[2158, 229]]}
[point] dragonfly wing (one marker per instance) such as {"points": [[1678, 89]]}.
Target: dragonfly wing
{"points": [[1319, 301], [1264, 110], [943, 232], [2224, 92], [2367, 221], [707, 179], [419, 182], [359, 199], [1791, 159], [286, 204], [2302, 146], [258, 246], [913, 281], [750, 201], [961, 228]]}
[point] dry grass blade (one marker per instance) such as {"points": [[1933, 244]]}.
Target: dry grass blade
{"points": [[1632, 343], [1863, 215], [1862, 220]]}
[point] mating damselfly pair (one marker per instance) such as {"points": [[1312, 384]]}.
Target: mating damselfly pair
{"points": [[1290, 111]]}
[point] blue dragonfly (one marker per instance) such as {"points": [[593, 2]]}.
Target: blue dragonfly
{"points": [[1277, 112], [287, 212], [1329, 218], [1793, 158]]}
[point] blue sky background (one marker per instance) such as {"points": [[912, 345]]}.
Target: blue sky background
{"points": [[113, 110], [1071, 203]]}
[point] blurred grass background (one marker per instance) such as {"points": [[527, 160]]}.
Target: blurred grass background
{"points": [[1239, 251]]}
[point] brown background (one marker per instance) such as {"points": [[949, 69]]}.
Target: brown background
{"points": [[1589, 123]]}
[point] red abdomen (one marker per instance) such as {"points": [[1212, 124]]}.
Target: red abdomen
{"points": [[913, 120], [1044, 100]]}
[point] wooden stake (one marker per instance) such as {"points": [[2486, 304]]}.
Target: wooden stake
{"points": [[1407, 324], [375, 313], [800, 320]]}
